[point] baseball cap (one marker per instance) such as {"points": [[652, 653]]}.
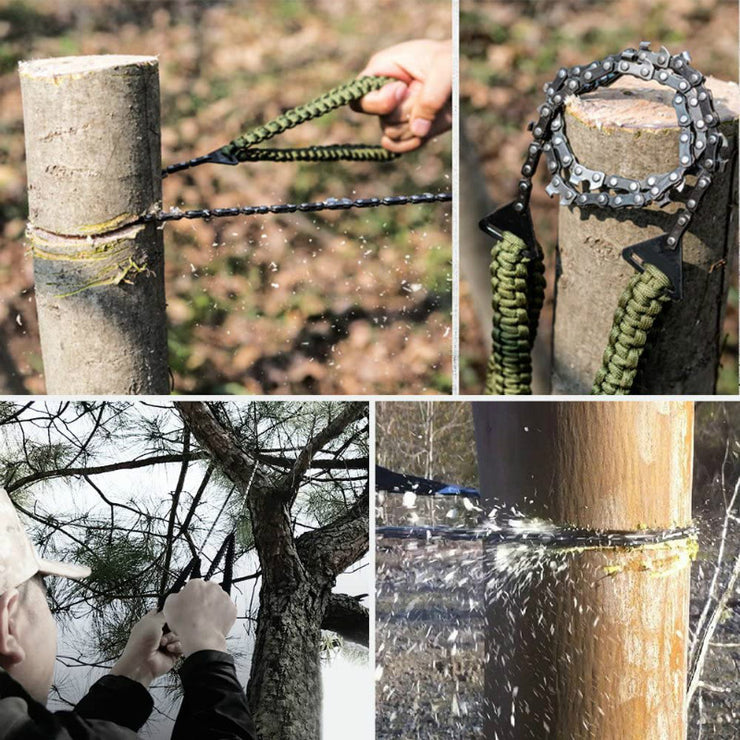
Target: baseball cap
{"points": [[18, 559]]}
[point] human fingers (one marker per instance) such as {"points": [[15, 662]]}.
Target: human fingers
{"points": [[401, 146], [383, 101], [432, 99]]}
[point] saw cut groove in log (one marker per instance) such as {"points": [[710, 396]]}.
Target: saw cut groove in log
{"points": [[93, 160]]}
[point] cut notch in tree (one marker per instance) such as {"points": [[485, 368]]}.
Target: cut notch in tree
{"points": [[630, 129], [94, 167]]}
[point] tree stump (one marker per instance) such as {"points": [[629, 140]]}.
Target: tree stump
{"points": [[630, 129], [589, 643], [94, 167]]}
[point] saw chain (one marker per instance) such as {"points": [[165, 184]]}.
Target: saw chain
{"points": [[559, 537], [242, 149], [702, 153], [330, 204]]}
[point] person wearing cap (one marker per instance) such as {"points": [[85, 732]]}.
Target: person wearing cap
{"points": [[214, 705]]}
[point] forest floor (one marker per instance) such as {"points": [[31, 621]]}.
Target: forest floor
{"points": [[507, 51], [430, 642], [337, 302]]}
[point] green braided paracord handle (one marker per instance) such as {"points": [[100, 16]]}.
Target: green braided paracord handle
{"points": [[327, 153], [639, 306], [339, 96], [518, 283]]}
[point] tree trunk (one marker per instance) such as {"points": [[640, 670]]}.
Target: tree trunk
{"points": [[298, 575], [475, 246], [285, 679], [589, 643], [93, 162], [619, 132]]}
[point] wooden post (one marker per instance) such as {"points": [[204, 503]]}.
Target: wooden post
{"points": [[598, 649], [630, 129], [93, 161]]}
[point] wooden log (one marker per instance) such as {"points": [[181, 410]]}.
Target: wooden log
{"points": [[589, 643], [93, 161], [630, 129]]}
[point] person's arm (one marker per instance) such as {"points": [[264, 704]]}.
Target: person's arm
{"points": [[123, 696], [214, 705], [417, 106], [23, 718]]}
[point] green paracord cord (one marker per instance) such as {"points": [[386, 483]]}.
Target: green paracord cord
{"points": [[316, 108], [321, 153], [241, 149], [639, 306], [518, 282]]}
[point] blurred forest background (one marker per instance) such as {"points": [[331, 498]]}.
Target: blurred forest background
{"points": [[436, 440], [337, 302], [508, 51]]}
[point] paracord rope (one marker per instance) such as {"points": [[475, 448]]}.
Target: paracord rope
{"points": [[518, 285], [639, 306], [237, 150], [702, 152], [328, 153]]}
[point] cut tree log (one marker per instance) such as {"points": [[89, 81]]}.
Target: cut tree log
{"points": [[588, 643], [630, 129], [93, 160]]}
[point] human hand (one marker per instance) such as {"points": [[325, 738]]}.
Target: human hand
{"points": [[148, 653], [202, 615], [418, 106]]}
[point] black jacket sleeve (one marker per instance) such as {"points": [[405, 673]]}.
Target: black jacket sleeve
{"points": [[214, 706], [124, 707], [119, 700]]}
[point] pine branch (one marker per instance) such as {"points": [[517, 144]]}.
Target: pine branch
{"points": [[98, 469], [330, 550], [346, 616], [350, 412]]}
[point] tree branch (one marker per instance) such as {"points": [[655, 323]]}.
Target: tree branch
{"points": [[346, 616], [351, 412], [219, 443], [97, 469], [328, 551]]}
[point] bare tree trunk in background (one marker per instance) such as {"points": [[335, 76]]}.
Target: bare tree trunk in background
{"points": [[297, 578], [596, 649], [475, 246], [93, 161], [475, 258], [618, 132]]}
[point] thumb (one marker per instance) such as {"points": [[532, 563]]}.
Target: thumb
{"points": [[433, 97], [381, 102]]}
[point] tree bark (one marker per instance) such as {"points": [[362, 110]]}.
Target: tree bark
{"points": [[630, 129], [298, 576], [93, 163], [346, 616], [597, 649]]}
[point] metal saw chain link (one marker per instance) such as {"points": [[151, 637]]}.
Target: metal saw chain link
{"points": [[562, 537], [702, 147], [330, 204]]}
